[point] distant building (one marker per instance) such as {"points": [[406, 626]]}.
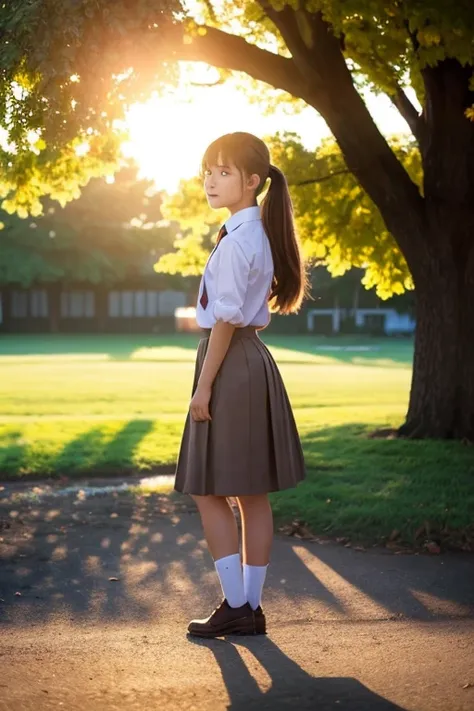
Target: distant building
{"points": [[376, 321], [123, 308], [147, 304]]}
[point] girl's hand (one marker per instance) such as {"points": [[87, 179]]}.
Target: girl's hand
{"points": [[199, 406]]}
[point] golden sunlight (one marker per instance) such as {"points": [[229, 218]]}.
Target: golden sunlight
{"points": [[169, 133]]}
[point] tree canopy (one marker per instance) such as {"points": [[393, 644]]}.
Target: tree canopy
{"points": [[70, 67], [113, 232]]}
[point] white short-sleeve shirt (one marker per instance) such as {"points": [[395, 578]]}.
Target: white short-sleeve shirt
{"points": [[238, 274]]}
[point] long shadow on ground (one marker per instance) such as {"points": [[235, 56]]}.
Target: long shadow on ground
{"points": [[289, 683]]}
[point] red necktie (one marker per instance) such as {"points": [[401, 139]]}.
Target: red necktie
{"points": [[204, 298]]}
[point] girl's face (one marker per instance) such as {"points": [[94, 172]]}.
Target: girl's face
{"points": [[226, 186]]}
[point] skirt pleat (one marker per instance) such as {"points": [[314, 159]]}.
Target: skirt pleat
{"points": [[251, 446]]}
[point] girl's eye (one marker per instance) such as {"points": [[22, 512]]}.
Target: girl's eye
{"points": [[209, 172]]}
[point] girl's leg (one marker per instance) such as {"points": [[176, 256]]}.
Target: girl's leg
{"points": [[257, 537], [222, 536], [220, 526]]}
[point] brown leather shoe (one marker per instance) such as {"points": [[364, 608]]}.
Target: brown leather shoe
{"points": [[225, 620], [260, 621]]}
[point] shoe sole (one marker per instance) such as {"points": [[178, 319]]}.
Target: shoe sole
{"points": [[236, 627]]}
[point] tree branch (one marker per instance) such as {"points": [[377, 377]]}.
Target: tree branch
{"points": [[322, 178], [401, 102], [412, 36], [228, 51], [299, 30], [365, 150], [414, 120]]}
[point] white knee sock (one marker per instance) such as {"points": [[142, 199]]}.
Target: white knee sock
{"points": [[229, 570], [254, 578]]}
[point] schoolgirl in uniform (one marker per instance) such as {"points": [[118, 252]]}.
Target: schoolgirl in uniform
{"points": [[240, 439]]}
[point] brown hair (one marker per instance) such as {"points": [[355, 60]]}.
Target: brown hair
{"points": [[250, 155]]}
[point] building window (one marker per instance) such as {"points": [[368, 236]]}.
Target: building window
{"points": [[39, 303], [32, 303], [169, 301], [77, 304], [152, 303], [114, 304], [133, 304], [19, 304], [126, 303]]}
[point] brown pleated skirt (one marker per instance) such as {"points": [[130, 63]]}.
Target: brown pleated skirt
{"points": [[251, 446]]}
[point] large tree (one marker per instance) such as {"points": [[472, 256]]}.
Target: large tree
{"points": [[319, 52]]}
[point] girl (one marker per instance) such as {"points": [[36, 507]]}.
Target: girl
{"points": [[240, 438]]}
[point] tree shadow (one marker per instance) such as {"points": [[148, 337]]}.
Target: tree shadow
{"points": [[291, 686], [94, 451], [94, 555], [335, 582], [14, 451], [115, 556]]}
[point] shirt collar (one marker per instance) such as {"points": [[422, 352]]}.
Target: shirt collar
{"points": [[248, 214]]}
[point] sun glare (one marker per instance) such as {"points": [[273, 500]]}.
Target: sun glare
{"points": [[169, 133]]}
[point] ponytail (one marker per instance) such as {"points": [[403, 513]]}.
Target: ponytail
{"points": [[290, 282]]}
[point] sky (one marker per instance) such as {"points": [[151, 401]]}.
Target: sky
{"points": [[169, 134]]}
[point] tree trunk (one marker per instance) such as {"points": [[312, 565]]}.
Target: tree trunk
{"points": [[442, 394], [442, 391]]}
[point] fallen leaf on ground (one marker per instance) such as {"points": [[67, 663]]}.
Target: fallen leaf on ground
{"points": [[432, 547]]}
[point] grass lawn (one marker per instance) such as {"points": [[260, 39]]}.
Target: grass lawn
{"points": [[90, 405]]}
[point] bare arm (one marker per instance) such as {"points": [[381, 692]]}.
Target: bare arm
{"points": [[219, 343]]}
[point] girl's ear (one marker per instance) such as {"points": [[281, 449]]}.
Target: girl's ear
{"points": [[253, 181]]}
